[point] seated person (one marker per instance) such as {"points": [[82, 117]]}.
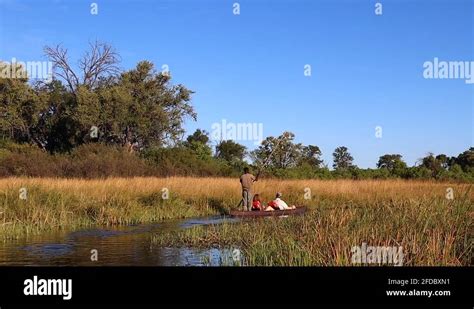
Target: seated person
{"points": [[278, 204], [272, 206], [281, 203], [256, 203]]}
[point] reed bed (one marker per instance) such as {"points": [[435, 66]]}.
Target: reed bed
{"points": [[420, 216]]}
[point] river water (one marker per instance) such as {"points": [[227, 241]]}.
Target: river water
{"points": [[116, 246]]}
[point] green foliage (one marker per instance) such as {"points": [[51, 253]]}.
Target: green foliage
{"points": [[100, 161], [392, 165], [433, 164], [391, 162], [230, 151], [138, 107], [280, 152], [342, 158], [466, 160], [20, 107], [96, 160], [311, 155], [184, 161], [86, 161], [199, 136], [198, 143]]}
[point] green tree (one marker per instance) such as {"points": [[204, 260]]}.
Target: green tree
{"points": [[57, 127], [145, 108], [199, 136], [311, 155], [279, 152], [393, 163], [21, 108], [432, 163], [198, 142], [466, 160], [443, 160], [456, 172], [342, 159], [230, 151], [139, 107]]}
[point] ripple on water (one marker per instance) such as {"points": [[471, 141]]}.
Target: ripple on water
{"points": [[95, 233], [49, 250], [172, 256], [117, 245], [207, 221]]}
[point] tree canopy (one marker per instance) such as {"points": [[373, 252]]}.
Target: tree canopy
{"points": [[342, 158], [138, 107]]}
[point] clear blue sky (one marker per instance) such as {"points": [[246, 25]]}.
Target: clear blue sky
{"points": [[367, 70]]}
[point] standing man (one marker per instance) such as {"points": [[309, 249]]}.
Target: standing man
{"points": [[247, 180]]}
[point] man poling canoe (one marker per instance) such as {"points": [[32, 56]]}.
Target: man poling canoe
{"points": [[247, 180]]}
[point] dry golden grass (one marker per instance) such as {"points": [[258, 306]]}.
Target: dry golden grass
{"points": [[229, 189], [433, 229]]}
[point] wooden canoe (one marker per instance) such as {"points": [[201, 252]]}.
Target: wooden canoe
{"points": [[275, 213]]}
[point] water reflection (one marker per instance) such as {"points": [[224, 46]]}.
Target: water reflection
{"points": [[195, 257], [116, 246]]}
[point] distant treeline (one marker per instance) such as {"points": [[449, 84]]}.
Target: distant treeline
{"points": [[98, 121], [96, 160]]}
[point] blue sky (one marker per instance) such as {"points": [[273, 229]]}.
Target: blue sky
{"points": [[366, 69]]}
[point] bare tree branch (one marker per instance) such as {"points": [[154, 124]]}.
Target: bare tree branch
{"points": [[100, 61], [58, 55]]}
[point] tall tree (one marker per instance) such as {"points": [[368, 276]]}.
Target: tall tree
{"points": [[443, 160], [198, 142], [21, 108], [199, 136], [280, 152], [138, 107], [311, 155], [466, 160], [391, 162], [230, 151], [57, 126], [141, 107], [342, 158], [432, 163]]}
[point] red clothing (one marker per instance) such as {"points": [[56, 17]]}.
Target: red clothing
{"points": [[273, 205], [256, 205]]}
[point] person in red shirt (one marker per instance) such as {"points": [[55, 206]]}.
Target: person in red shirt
{"points": [[278, 204], [272, 205], [256, 203]]}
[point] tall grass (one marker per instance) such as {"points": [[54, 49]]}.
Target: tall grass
{"points": [[431, 232], [432, 229]]}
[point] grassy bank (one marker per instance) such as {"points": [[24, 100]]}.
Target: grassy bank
{"points": [[432, 229]]}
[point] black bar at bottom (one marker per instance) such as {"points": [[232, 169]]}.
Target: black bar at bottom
{"points": [[159, 285]]}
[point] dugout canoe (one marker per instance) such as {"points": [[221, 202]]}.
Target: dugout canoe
{"points": [[275, 213]]}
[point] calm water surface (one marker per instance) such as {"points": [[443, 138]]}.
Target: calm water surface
{"points": [[116, 246]]}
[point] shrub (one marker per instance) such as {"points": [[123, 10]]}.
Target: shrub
{"points": [[95, 160]]}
